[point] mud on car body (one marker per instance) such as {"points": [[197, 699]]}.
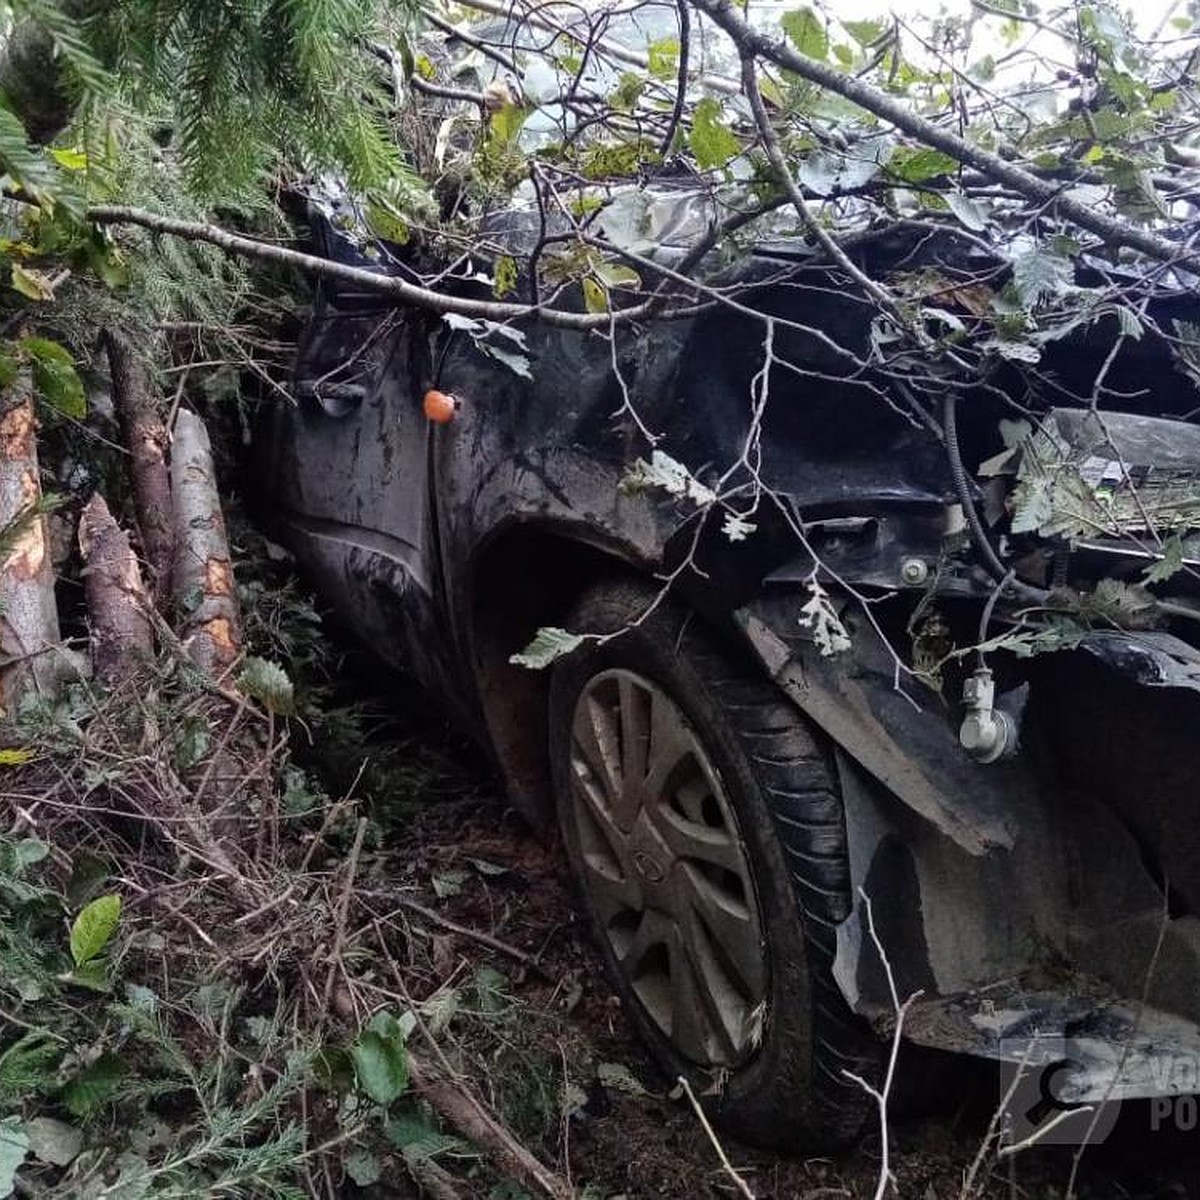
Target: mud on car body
{"points": [[730, 792]]}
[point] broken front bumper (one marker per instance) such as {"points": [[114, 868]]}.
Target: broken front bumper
{"points": [[1041, 906]]}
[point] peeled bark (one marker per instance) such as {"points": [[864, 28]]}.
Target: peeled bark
{"points": [[29, 634], [117, 603], [202, 574], [145, 437]]}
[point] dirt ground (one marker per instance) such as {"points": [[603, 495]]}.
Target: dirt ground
{"points": [[552, 1050]]}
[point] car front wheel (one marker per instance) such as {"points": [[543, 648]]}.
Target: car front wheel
{"points": [[704, 827]]}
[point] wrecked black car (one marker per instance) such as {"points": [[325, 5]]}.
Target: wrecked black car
{"points": [[843, 685]]}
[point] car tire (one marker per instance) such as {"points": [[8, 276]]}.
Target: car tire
{"points": [[683, 887]]}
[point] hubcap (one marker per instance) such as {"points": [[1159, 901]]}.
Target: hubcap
{"points": [[665, 869]]}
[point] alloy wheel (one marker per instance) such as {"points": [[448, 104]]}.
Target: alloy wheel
{"points": [[665, 869]]}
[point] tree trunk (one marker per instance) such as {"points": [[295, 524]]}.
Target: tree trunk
{"points": [[145, 438], [117, 602], [33, 83], [202, 576], [28, 618]]}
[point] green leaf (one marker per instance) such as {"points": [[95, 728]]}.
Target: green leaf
{"points": [[25, 163], [807, 33], [506, 123], [663, 58], [489, 988], [618, 1077], [363, 1167], [1033, 504], [594, 296], [94, 927], [192, 740], [55, 377], [381, 1062], [515, 362], [30, 851], [14, 1145], [1037, 274], [1168, 563], [90, 975], [448, 883], [333, 1069], [1130, 323], [917, 164], [268, 683], [33, 284], [387, 224], [53, 1142], [418, 1137], [710, 140], [627, 92], [71, 159], [548, 644], [95, 1086], [506, 276], [614, 275], [864, 32], [827, 172], [970, 212]]}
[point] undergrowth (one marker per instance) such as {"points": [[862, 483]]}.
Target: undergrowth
{"points": [[234, 1016]]}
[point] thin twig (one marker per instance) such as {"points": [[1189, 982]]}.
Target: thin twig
{"points": [[484, 939], [880, 1095], [339, 937], [742, 1186]]}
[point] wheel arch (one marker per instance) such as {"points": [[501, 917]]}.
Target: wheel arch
{"points": [[525, 575]]}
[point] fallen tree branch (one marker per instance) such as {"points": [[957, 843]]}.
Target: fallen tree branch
{"points": [[476, 935], [1112, 230], [535, 16], [814, 228], [400, 290]]}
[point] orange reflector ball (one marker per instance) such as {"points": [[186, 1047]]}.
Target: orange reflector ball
{"points": [[440, 407]]}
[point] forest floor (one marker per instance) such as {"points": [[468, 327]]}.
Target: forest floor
{"points": [[559, 1062], [323, 1016]]}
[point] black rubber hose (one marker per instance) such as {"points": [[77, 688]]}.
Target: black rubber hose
{"points": [[991, 560]]}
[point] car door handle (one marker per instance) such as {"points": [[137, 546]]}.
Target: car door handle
{"points": [[337, 399]]}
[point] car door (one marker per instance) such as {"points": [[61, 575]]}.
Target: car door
{"points": [[349, 478]]}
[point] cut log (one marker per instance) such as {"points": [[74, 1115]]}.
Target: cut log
{"points": [[117, 603], [145, 437], [202, 574], [29, 636]]}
